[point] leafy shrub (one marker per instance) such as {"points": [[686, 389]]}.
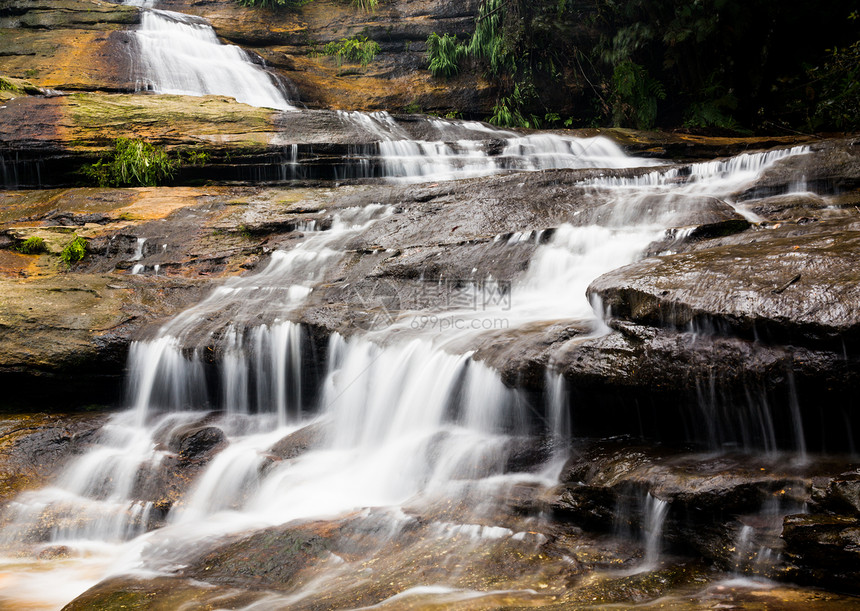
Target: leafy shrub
{"points": [[32, 246], [74, 251], [634, 95], [132, 163], [444, 54], [838, 85], [356, 50], [274, 4]]}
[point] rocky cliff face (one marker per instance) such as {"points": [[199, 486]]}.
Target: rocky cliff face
{"points": [[82, 45]]}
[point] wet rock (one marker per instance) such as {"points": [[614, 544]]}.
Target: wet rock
{"points": [[67, 44], [270, 558], [834, 168], [35, 447], [840, 495], [784, 285], [824, 550], [791, 206], [299, 442], [711, 498], [158, 593], [197, 442]]}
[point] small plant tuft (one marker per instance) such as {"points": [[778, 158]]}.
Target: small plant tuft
{"points": [[274, 4], [368, 6], [196, 157], [444, 54], [413, 108], [356, 50], [132, 163], [33, 245], [74, 251]]}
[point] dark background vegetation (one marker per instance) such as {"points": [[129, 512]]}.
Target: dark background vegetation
{"points": [[714, 65]]}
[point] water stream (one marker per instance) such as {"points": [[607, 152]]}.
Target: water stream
{"points": [[401, 437]]}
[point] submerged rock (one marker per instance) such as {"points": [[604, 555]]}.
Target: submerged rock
{"points": [[34, 448]]}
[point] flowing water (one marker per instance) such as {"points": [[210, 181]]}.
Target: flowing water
{"points": [[398, 440], [181, 54]]}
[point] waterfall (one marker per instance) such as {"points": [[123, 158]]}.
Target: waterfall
{"points": [[399, 418], [467, 149], [181, 54], [655, 514]]}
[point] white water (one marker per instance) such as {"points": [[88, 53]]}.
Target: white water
{"points": [[405, 422], [463, 150], [181, 54]]}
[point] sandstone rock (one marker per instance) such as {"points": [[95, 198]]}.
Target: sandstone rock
{"points": [[68, 44], [781, 285]]}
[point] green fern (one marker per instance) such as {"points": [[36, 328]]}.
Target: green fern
{"points": [[356, 50], [444, 54], [32, 246]]}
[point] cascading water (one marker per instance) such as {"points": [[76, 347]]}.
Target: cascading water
{"points": [[467, 149], [181, 54], [401, 422], [402, 433]]}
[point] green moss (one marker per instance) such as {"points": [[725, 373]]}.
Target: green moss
{"points": [[7, 85], [32, 246], [74, 251]]}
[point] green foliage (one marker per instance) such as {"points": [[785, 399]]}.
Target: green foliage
{"points": [[7, 85], [413, 108], [274, 4], [74, 251], [133, 163], [32, 246], [444, 54], [714, 109], [510, 44], [634, 96], [356, 50], [837, 82], [196, 157], [704, 64], [508, 112], [367, 6]]}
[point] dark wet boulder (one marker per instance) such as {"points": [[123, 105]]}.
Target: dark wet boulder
{"points": [[832, 168], [197, 442], [824, 550], [725, 508], [839, 495]]}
